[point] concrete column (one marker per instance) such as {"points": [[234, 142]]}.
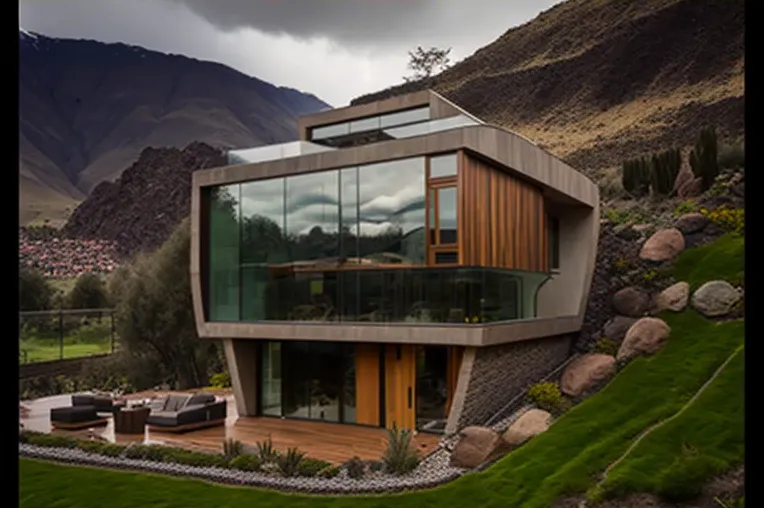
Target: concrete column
{"points": [[241, 356], [457, 404]]}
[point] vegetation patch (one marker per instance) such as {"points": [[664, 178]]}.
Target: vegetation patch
{"points": [[677, 459], [723, 259]]}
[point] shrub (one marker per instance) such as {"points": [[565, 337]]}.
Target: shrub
{"points": [[329, 472], [198, 459], [35, 292], [606, 346], [265, 451], [89, 292], [400, 457], [220, 380], [664, 170], [635, 177], [622, 265], [729, 219], [289, 462], [687, 206], [703, 158], [545, 395], [376, 465], [355, 468], [311, 467], [731, 156], [146, 452], [246, 463], [101, 448], [52, 440], [232, 448]]}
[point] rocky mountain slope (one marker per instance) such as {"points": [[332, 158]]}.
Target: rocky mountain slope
{"points": [[88, 109], [140, 209], [599, 81]]}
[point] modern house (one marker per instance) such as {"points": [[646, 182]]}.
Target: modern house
{"points": [[403, 263]]}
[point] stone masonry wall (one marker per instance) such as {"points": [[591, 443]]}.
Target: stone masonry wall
{"points": [[500, 373]]}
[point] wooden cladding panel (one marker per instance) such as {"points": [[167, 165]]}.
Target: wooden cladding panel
{"points": [[367, 384], [503, 220], [400, 383]]}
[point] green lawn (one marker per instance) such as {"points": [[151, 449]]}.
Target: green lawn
{"points": [[723, 259], [677, 459], [84, 340]]}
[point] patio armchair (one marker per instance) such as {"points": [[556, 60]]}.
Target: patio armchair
{"points": [[180, 413], [101, 403]]}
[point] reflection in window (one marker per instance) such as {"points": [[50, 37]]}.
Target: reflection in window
{"points": [[330, 131], [312, 217], [404, 117], [443, 165], [270, 392], [392, 212], [447, 215], [223, 290], [262, 243]]}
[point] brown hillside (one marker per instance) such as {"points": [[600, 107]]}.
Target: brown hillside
{"points": [[141, 208], [598, 81]]}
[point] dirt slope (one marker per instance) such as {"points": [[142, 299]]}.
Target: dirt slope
{"points": [[597, 81]]}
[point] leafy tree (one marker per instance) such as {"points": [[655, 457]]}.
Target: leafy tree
{"points": [[154, 313], [35, 292], [423, 62], [89, 292]]}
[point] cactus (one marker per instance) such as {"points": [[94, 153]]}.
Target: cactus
{"points": [[636, 177], [664, 170], [703, 158]]}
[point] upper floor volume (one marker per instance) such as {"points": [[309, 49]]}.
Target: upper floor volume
{"points": [[408, 211]]}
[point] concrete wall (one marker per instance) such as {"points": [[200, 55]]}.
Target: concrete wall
{"points": [[490, 377], [241, 357]]}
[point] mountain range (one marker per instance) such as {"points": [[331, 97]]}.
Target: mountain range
{"points": [[600, 81], [87, 109]]}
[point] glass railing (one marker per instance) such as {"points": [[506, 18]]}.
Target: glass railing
{"points": [[420, 129], [275, 152], [456, 295]]}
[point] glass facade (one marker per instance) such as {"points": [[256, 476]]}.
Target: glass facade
{"points": [[348, 245], [373, 123], [310, 380]]}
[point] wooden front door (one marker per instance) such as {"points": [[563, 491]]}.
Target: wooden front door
{"points": [[400, 385]]}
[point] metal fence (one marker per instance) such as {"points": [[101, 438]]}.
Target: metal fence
{"points": [[63, 334]]}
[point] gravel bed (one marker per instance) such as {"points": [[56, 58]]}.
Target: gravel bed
{"points": [[433, 471]]}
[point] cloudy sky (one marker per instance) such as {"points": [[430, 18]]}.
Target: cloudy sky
{"points": [[335, 49]]}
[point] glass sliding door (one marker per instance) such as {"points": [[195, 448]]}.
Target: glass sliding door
{"points": [[315, 380], [431, 388]]}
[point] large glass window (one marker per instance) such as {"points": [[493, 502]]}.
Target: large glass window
{"points": [[262, 243], [270, 368], [443, 166], [223, 290], [447, 215], [391, 217]]}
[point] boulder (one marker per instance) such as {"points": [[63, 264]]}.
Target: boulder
{"points": [[645, 337], [631, 302], [684, 176], [532, 423], [692, 189], [664, 245], [587, 373], [674, 298], [690, 223], [475, 446], [715, 298], [616, 328]]}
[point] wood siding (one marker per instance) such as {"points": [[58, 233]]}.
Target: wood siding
{"points": [[367, 384], [502, 219], [400, 386]]}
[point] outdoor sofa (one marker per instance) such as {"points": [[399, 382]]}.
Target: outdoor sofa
{"points": [[180, 412], [86, 411]]}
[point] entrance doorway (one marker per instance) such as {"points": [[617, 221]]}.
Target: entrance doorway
{"points": [[431, 388]]}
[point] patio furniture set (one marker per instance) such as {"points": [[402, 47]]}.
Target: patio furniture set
{"points": [[174, 413]]}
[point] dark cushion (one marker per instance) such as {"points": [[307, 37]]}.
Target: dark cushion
{"points": [[201, 398], [163, 419], [73, 414], [175, 402], [99, 401]]}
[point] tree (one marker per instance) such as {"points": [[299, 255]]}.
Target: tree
{"points": [[424, 61], [154, 312], [89, 292], [35, 292]]}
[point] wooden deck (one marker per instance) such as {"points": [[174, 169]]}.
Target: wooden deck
{"points": [[332, 442]]}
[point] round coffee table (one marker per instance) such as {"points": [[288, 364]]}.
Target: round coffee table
{"points": [[131, 420]]}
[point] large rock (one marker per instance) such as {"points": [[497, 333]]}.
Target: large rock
{"points": [[690, 223], [674, 298], [616, 328], [532, 423], [631, 301], [587, 373], [691, 189], [645, 337], [715, 298], [664, 245], [475, 447], [684, 176]]}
